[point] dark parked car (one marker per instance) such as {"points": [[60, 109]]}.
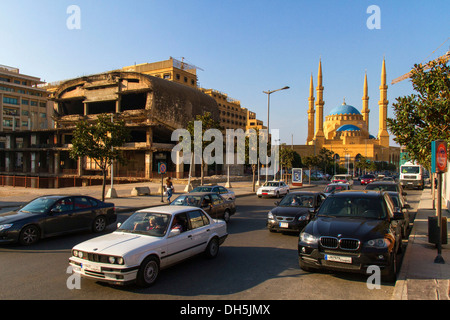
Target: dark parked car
{"points": [[55, 215], [224, 192], [211, 202], [294, 211], [386, 186], [351, 231], [367, 178], [401, 205]]}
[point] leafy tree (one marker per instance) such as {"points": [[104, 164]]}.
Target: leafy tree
{"points": [[297, 162], [326, 159], [254, 147], [311, 162], [286, 156], [207, 123], [289, 158], [100, 141], [423, 117]]}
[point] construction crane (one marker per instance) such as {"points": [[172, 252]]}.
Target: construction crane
{"points": [[442, 59]]}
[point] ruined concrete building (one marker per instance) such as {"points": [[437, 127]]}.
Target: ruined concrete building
{"points": [[151, 107]]}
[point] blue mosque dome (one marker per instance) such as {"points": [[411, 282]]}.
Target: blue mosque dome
{"points": [[343, 109], [348, 127]]}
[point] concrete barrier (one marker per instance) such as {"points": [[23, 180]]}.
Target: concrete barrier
{"points": [[140, 191]]}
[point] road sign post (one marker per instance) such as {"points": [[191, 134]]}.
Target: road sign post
{"points": [[439, 166], [162, 168]]}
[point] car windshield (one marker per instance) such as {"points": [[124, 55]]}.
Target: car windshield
{"points": [[40, 205], [334, 188], [271, 184], [368, 177], [149, 223], [382, 187], [412, 170], [202, 189], [352, 207], [338, 177], [187, 200], [296, 200]]}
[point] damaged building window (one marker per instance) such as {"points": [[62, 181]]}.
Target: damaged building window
{"points": [[102, 107], [134, 101]]}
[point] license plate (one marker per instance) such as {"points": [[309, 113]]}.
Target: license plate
{"points": [[330, 257], [91, 267], [284, 225]]}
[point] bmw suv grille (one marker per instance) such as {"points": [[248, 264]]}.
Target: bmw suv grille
{"points": [[336, 243]]}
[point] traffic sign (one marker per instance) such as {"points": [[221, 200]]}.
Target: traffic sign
{"points": [[439, 156], [162, 167]]}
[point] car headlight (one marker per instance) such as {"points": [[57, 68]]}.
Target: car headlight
{"points": [[270, 216], [303, 218], [308, 238], [5, 226], [115, 260], [379, 243], [77, 253]]}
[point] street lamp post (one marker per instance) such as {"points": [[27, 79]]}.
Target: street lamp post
{"points": [[269, 92], [112, 192]]}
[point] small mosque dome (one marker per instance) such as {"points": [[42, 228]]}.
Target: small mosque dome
{"points": [[348, 127]]}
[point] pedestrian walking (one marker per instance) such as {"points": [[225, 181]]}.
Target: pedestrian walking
{"points": [[169, 188]]}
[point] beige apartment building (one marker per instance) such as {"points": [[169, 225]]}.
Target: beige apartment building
{"points": [[23, 105]]}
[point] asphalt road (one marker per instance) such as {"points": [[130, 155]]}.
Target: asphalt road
{"points": [[253, 264]]}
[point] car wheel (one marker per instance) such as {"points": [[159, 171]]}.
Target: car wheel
{"points": [[226, 215], [391, 272], [99, 224], [212, 250], [29, 235], [148, 272]]}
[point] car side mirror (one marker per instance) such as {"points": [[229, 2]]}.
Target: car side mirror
{"points": [[174, 233], [53, 211], [118, 225], [398, 215], [404, 193], [277, 203], [312, 211]]}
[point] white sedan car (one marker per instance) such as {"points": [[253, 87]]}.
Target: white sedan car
{"points": [[148, 241], [273, 189]]}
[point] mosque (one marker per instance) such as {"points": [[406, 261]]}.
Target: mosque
{"points": [[345, 130]]}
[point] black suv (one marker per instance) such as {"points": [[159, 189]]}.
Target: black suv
{"points": [[351, 231]]}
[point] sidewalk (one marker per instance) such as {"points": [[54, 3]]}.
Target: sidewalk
{"points": [[420, 278]]}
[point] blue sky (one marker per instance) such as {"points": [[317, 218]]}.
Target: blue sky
{"points": [[244, 47]]}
